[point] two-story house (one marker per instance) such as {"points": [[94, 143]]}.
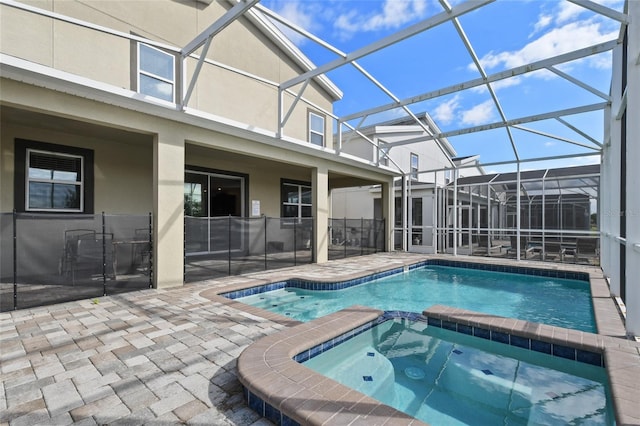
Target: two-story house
{"points": [[171, 108]]}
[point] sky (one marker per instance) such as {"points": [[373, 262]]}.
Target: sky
{"points": [[504, 34]]}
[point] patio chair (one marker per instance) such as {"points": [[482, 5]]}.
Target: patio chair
{"points": [[142, 250], [525, 249], [553, 250], [70, 248], [587, 250], [87, 255], [487, 246]]}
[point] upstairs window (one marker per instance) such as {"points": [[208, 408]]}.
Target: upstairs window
{"points": [[383, 155], [156, 73], [414, 166], [316, 129]]}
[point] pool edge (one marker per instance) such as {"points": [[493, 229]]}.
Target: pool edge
{"points": [[618, 352]]}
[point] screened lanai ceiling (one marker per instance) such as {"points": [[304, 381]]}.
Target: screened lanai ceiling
{"points": [[580, 180], [512, 81]]}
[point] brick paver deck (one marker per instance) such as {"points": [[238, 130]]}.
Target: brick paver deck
{"points": [[148, 357]]}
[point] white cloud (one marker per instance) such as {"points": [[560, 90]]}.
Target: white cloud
{"points": [[543, 22], [479, 114], [394, 14], [567, 11], [294, 12], [445, 113], [557, 41]]}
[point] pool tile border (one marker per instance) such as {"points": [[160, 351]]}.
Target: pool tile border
{"points": [[282, 389], [523, 270], [621, 356], [341, 285], [309, 284], [513, 337]]}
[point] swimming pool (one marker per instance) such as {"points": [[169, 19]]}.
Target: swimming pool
{"points": [[529, 297], [444, 377]]}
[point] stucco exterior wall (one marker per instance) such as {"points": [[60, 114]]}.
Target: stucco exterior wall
{"points": [[122, 171], [112, 59], [353, 203], [264, 176]]}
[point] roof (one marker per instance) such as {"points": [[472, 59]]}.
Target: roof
{"points": [[579, 179], [274, 34]]}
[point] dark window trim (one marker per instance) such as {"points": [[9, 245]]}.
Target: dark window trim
{"points": [[245, 213], [20, 165]]}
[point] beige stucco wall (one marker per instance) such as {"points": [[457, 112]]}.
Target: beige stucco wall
{"points": [[122, 171], [264, 176], [111, 59]]}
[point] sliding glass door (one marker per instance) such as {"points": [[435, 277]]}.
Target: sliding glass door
{"points": [[210, 199]]}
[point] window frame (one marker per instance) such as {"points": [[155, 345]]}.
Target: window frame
{"points": [[140, 71], [52, 181], [383, 155], [283, 200], [23, 149], [414, 170], [312, 132]]}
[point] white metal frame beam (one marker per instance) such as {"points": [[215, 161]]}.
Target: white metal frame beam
{"points": [[205, 38], [516, 121], [476, 61], [602, 10], [388, 41], [513, 72]]}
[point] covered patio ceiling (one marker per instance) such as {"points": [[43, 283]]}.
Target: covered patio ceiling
{"points": [[583, 102]]}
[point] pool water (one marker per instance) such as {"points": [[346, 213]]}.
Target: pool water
{"points": [[560, 302], [442, 377]]}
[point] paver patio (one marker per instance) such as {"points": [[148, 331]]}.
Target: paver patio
{"points": [[148, 357]]}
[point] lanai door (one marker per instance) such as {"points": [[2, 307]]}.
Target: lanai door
{"points": [[211, 200]]}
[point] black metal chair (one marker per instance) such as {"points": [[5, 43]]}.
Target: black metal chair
{"points": [[85, 253]]}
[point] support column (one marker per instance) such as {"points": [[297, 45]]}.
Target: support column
{"points": [[168, 209], [610, 182], [632, 214], [320, 190], [388, 212], [404, 198]]}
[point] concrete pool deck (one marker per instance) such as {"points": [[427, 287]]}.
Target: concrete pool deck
{"points": [[170, 356]]}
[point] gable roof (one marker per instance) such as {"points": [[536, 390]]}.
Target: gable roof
{"points": [[274, 34]]}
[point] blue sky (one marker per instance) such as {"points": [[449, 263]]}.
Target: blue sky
{"points": [[504, 35]]}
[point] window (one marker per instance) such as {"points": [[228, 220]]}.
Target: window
{"points": [[54, 181], [383, 155], [53, 178], [316, 129], [414, 166], [296, 199], [156, 73]]}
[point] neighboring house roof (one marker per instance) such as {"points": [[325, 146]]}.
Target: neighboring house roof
{"points": [[274, 34], [408, 124], [469, 159], [466, 157], [564, 178]]}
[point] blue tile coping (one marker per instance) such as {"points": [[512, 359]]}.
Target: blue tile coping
{"points": [[286, 392], [340, 285], [579, 354]]}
